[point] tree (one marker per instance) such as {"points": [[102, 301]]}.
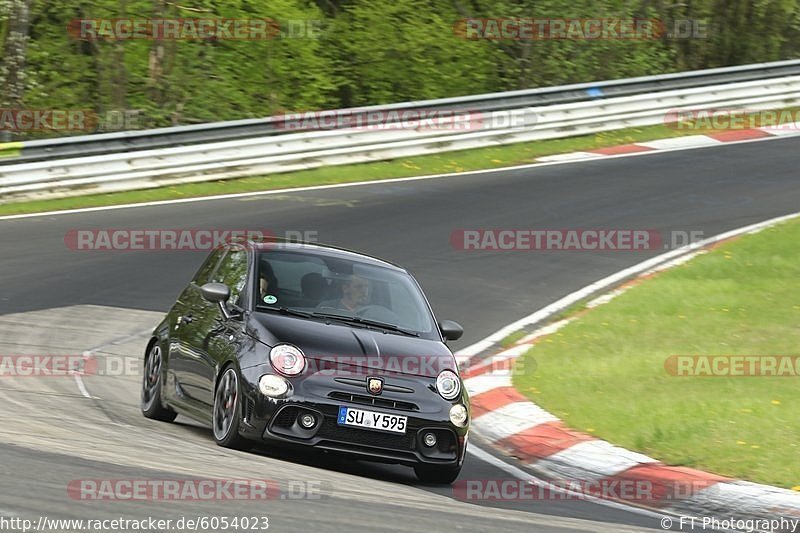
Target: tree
{"points": [[15, 43], [12, 66]]}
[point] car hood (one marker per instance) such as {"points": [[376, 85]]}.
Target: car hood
{"points": [[340, 346]]}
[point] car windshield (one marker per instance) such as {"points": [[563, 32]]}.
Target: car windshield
{"points": [[335, 288]]}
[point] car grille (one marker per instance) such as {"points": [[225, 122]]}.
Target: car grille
{"points": [[330, 430], [286, 417], [373, 400], [249, 408]]}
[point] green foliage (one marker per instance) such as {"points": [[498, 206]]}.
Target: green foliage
{"points": [[407, 50], [365, 52]]}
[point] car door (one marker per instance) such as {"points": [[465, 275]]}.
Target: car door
{"points": [[186, 317], [210, 337]]}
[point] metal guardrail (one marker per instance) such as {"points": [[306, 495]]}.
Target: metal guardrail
{"points": [[125, 170], [127, 141]]}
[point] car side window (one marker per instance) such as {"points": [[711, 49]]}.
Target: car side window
{"points": [[204, 273], [233, 273]]}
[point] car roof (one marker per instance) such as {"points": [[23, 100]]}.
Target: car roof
{"points": [[322, 250]]}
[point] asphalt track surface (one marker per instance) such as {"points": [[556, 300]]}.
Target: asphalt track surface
{"points": [[52, 434]]}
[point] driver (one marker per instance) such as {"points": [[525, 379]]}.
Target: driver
{"points": [[267, 282], [355, 295]]}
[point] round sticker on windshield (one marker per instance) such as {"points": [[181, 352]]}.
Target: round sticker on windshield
{"points": [[270, 299]]}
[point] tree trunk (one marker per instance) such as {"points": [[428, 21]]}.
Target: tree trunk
{"points": [[156, 60], [119, 91], [12, 63]]}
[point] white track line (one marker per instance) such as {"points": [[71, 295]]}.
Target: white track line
{"points": [[542, 314], [376, 182], [518, 473], [82, 387], [510, 419], [608, 281], [89, 353]]}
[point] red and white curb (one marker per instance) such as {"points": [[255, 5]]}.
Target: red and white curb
{"points": [[677, 143], [519, 428]]}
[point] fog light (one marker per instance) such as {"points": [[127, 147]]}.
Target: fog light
{"points": [[458, 415], [273, 386], [430, 440], [307, 421]]}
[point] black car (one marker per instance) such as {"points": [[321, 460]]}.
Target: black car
{"points": [[313, 346]]}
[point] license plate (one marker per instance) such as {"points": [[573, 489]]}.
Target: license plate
{"points": [[371, 420]]}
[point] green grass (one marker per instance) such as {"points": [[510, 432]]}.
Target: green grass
{"points": [[604, 373], [509, 340], [459, 161], [11, 149]]}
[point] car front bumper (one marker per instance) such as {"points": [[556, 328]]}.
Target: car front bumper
{"points": [[270, 419]]}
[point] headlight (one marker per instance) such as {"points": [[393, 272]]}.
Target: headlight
{"points": [[287, 359], [448, 385], [458, 415], [273, 386]]}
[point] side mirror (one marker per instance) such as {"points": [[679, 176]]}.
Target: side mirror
{"points": [[451, 331], [217, 293]]}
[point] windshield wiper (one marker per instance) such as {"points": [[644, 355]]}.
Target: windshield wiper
{"points": [[344, 318], [286, 311], [368, 322]]}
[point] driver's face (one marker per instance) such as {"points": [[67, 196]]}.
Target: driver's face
{"points": [[356, 291]]}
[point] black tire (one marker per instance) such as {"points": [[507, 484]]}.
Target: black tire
{"points": [[226, 417], [151, 387], [439, 475]]}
